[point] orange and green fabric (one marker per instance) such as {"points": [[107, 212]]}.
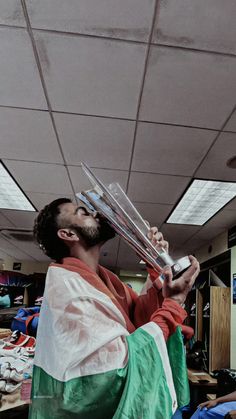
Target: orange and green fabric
{"points": [[92, 362]]}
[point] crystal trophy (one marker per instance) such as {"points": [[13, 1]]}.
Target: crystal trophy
{"points": [[113, 204]]}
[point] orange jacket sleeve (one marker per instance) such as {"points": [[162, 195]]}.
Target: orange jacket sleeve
{"points": [[150, 306]]}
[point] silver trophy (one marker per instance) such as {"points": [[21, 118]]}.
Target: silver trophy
{"points": [[112, 203]]}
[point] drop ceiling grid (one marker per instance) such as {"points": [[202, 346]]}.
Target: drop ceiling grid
{"points": [[122, 52]]}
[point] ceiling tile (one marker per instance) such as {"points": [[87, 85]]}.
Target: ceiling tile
{"points": [[5, 222], [43, 258], [202, 238], [31, 249], [127, 257], [81, 182], [126, 19], [231, 124], [188, 248], [40, 177], [155, 188], [208, 232], [214, 166], [3, 256], [28, 135], [176, 235], [200, 24], [11, 13], [100, 77], [200, 234], [19, 78], [37, 253], [170, 149], [231, 205], [224, 218], [39, 200], [21, 219], [178, 252], [188, 88], [13, 251], [155, 214], [108, 255], [97, 141]]}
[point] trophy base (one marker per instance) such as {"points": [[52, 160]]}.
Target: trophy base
{"points": [[180, 266]]}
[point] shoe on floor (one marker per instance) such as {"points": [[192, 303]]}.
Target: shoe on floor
{"points": [[20, 339], [11, 387], [2, 385], [16, 376], [14, 351]]}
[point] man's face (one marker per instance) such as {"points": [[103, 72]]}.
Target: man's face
{"points": [[89, 227]]}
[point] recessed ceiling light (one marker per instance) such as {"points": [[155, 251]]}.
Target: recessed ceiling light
{"points": [[11, 196], [202, 200]]}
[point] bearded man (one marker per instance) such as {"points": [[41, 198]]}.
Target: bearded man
{"points": [[103, 351]]}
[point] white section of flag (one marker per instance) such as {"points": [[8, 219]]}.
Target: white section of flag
{"points": [[155, 331], [81, 332]]}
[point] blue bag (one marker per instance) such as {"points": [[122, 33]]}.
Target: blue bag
{"points": [[26, 321]]}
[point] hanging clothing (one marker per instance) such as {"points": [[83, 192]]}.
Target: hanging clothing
{"points": [[101, 350]]}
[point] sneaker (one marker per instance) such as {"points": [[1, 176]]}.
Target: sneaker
{"points": [[20, 339], [2, 385], [19, 299], [206, 310], [16, 376], [15, 351], [38, 301], [11, 387], [6, 374], [6, 360], [4, 367], [19, 364]]}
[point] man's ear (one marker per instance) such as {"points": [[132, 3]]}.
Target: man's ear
{"points": [[67, 234]]}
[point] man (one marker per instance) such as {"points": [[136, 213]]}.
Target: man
{"points": [[101, 350], [221, 407]]}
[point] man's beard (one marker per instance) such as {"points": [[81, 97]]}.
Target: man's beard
{"points": [[92, 236]]}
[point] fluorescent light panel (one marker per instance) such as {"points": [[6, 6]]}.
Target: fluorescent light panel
{"points": [[11, 196], [202, 200]]}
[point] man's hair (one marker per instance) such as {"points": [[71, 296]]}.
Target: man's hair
{"points": [[45, 230]]}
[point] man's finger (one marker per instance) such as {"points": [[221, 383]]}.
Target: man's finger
{"points": [[168, 275], [158, 236], [152, 232], [192, 272], [165, 245]]}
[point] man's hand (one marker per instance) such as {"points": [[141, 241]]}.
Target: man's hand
{"points": [[209, 404], [179, 288], [156, 238]]}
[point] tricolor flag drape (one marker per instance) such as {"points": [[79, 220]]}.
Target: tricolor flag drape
{"points": [[88, 366]]}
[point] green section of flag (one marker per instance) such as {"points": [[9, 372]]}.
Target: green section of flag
{"points": [[138, 391], [177, 360], [90, 397], [146, 394]]}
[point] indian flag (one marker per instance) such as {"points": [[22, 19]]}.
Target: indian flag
{"points": [[88, 366]]}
